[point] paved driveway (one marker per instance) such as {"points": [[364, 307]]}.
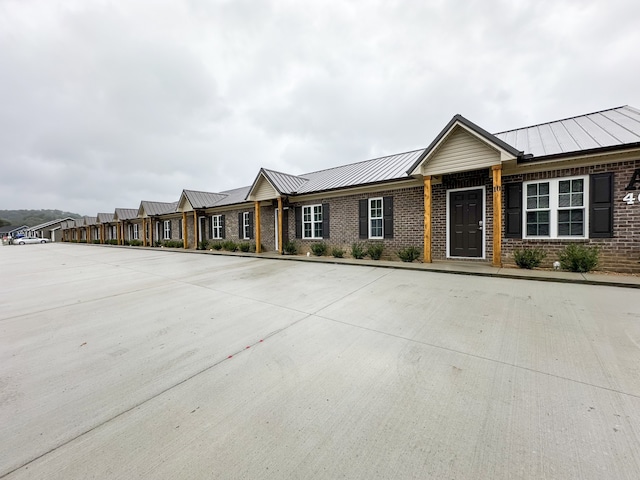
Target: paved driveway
{"points": [[125, 363]]}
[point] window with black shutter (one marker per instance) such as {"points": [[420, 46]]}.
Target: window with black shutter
{"points": [[601, 205], [513, 210]]}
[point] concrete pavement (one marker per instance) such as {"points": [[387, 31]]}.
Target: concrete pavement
{"points": [[134, 363]]}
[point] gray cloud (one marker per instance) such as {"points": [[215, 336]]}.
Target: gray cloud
{"points": [[105, 104]]}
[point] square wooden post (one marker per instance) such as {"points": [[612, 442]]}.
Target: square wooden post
{"points": [[427, 219], [257, 226], [497, 215]]}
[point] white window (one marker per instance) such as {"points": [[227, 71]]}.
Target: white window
{"points": [[556, 208], [167, 230], [312, 221], [135, 231], [246, 226], [216, 226], [375, 218], [114, 232]]}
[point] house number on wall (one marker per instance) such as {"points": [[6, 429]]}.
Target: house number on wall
{"points": [[631, 198]]}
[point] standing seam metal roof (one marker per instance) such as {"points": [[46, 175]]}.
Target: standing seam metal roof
{"points": [[105, 217], [607, 128], [203, 199], [126, 213], [157, 208]]}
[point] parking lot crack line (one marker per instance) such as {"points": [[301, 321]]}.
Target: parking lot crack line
{"points": [[157, 394], [481, 357]]}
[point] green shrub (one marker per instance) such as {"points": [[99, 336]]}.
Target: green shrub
{"points": [[135, 243], [409, 254], [357, 250], [216, 245], [229, 246], [82, 241], [529, 257], [204, 245], [319, 249], [245, 247], [337, 252], [113, 241], [374, 250], [96, 241], [173, 244], [578, 258], [290, 248]]}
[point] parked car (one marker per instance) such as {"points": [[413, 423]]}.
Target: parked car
{"points": [[25, 240]]}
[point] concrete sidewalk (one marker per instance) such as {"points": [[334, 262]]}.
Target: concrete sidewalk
{"points": [[449, 266]]}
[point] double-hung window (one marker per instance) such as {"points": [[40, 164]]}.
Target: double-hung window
{"points": [[246, 226], [167, 229], [312, 221], [216, 226], [375, 218], [135, 231], [556, 208]]}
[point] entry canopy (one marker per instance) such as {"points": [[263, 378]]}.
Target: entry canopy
{"points": [[462, 146]]}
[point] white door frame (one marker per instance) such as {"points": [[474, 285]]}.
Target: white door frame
{"points": [[484, 222]]}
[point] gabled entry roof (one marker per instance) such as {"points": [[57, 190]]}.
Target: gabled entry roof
{"points": [[125, 214], [455, 125], [148, 209]]}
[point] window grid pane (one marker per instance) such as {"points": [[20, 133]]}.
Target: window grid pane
{"points": [[375, 217]]}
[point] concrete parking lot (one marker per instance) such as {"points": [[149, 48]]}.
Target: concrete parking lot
{"points": [[125, 363]]}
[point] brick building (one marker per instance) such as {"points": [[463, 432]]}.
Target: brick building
{"points": [[569, 181]]}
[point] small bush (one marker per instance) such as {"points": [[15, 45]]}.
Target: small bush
{"points": [[578, 258], [96, 241], [229, 246], [409, 254], [204, 245], [337, 252], [357, 250], [173, 244], [529, 257], [245, 247], [82, 241], [216, 245], [319, 249], [290, 248], [374, 250], [113, 241], [135, 243]]}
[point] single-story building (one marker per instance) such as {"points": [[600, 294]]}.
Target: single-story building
{"points": [[51, 229], [569, 181]]}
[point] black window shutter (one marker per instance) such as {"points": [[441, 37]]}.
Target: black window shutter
{"points": [[601, 205], [223, 230], [210, 227], [513, 210], [325, 220], [240, 224], [363, 218], [170, 222], [387, 216], [298, 222], [251, 224], [285, 226]]}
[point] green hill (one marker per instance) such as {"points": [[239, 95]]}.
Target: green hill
{"points": [[31, 218]]}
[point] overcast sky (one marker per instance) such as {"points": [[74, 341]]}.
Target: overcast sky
{"points": [[107, 103]]}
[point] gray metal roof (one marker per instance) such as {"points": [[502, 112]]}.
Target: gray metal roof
{"points": [[157, 208], [283, 182], [391, 167], [90, 221], [202, 199], [608, 128], [105, 217], [126, 213], [49, 223], [231, 197]]}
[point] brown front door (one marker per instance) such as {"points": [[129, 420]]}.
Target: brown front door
{"points": [[465, 223]]}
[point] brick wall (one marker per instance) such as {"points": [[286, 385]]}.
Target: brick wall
{"points": [[620, 253], [408, 218]]}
